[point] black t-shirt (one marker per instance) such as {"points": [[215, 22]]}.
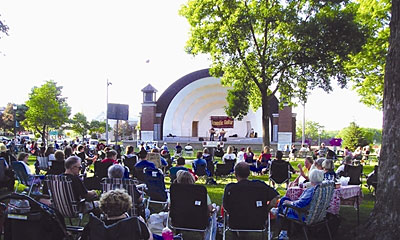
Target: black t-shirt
{"points": [[270, 192], [79, 189]]}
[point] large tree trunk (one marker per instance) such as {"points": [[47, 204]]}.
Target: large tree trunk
{"points": [[265, 120], [384, 222]]}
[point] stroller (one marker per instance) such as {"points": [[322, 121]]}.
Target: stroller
{"points": [[23, 216]]}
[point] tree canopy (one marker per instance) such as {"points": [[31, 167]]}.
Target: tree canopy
{"points": [[80, 124], [354, 136], [261, 48], [367, 67], [46, 108]]}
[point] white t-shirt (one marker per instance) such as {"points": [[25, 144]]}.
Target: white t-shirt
{"points": [[230, 156], [240, 157]]}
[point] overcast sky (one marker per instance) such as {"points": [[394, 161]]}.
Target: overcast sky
{"points": [[81, 44]]}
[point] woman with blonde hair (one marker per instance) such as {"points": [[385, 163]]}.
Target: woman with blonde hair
{"points": [[229, 156]]}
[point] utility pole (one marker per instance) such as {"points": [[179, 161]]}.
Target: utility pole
{"points": [[108, 84]]}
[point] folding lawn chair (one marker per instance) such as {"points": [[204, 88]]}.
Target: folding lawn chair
{"points": [[279, 173], [315, 213], [101, 169], [23, 177], [246, 210], [354, 172], [223, 170], [42, 163], [25, 218], [63, 198], [156, 191], [189, 212], [130, 186], [130, 163]]}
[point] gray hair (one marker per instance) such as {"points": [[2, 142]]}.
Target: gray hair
{"points": [[319, 162], [116, 171], [328, 164], [316, 176]]}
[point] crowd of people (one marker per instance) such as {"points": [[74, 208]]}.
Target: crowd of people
{"points": [[72, 160]]}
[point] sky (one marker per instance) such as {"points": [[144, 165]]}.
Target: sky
{"points": [[81, 44]]}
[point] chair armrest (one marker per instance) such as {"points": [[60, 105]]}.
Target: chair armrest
{"points": [[301, 212]]}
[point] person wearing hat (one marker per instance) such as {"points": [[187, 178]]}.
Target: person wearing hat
{"points": [[5, 153]]}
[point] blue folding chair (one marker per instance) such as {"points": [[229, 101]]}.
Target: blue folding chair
{"points": [[156, 191]]}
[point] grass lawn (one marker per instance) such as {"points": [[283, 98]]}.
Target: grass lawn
{"points": [[348, 214]]}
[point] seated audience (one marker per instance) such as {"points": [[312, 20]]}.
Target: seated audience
{"points": [[229, 155], [199, 161], [118, 171], [116, 204], [111, 156], [142, 162], [303, 176], [209, 159], [263, 160], [57, 166], [346, 161], [72, 168], [249, 155], [318, 163], [329, 169], [316, 177], [242, 172]]}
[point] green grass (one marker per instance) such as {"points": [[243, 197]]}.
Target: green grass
{"points": [[348, 214]]}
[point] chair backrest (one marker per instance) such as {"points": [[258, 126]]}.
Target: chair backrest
{"points": [[101, 169], [138, 174], [223, 169], [154, 158], [43, 162], [201, 170], [188, 210], [154, 179], [125, 229], [320, 202], [279, 171], [62, 195], [20, 172], [248, 209], [130, 163], [354, 172], [109, 184], [230, 163]]}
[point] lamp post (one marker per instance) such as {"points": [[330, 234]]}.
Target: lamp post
{"points": [[108, 84], [15, 120], [319, 136], [303, 135]]}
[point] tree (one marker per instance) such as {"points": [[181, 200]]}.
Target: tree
{"points": [[8, 117], [367, 67], [384, 220], [97, 127], [260, 48], [354, 136], [46, 108], [311, 130], [80, 124], [125, 129]]}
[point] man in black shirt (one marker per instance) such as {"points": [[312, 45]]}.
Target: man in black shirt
{"points": [[72, 168], [242, 172]]}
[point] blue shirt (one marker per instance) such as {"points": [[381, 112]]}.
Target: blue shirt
{"points": [[200, 162], [145, 164]]}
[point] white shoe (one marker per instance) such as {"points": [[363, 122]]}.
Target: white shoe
{"points": [[274, 211], [283, 235]]}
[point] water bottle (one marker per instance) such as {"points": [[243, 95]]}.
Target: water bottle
{"points": [[167, 234]]}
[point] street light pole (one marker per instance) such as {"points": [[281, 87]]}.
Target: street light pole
{"points": [[108, 84], [15, 120], [303, 135]]}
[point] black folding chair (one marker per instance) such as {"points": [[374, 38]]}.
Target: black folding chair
{"points": [[201, 170], [155, 187], [23, 177], [101, 169], [223, 170], [246, 210], [279, 173], [188, 212], [130, 163], [354, 172]]}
